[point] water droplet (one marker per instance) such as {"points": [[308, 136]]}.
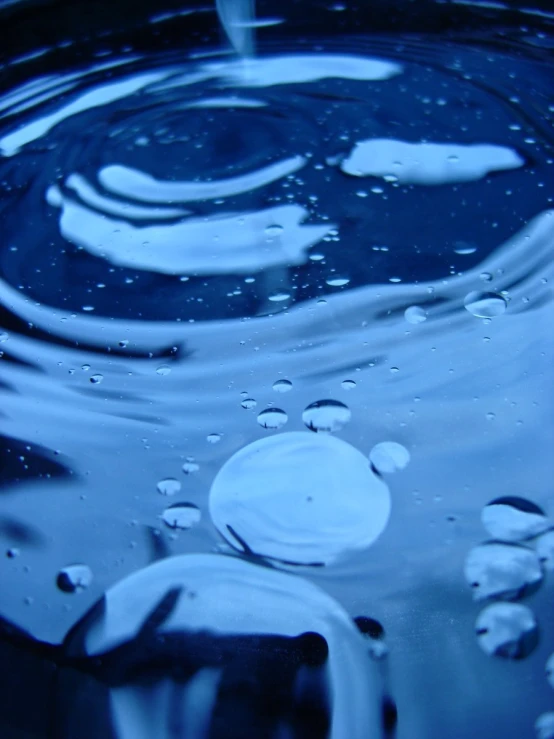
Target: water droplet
{"points": [[181, 516], [389, 456], [74, 578], [163, 370], [273, 231], [279, 296], [415, 314], [485, 304], [507, 630], [348, 384], [504, 571], [248, 403], [282, 386], [326, 416], [485, 277], [513, 519], [299, 498], [213, 438], [168, 486], [12, 553], [490, 416], [544, 725], [272, 418], [4, 336], [96, 379], [549, 669], [337, 281], [190, 466]]}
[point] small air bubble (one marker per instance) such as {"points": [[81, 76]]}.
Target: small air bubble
{"points": [[282, 386], [326, 416], [348, 384], [168, 486], [485, 304], [415, 314], [389, 456], [272, 418], [507, 630], [164, 369], [248, 403], [213, 438], [96, 379], [181, 516]]}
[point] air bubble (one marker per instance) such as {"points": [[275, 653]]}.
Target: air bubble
{"points": [[273, 231], [96, 379], [299, 498], [4, 336], [485, 304], [190, 466], [389, 456], [348, 384], [74, 578], [213, 438], [282, 386], [168, 486], [337, 281], [163, 370], [507, 630], [504, 571], [279, 296], [272, 418], [248, 403], [415, 314], [513, 519], [326, 416], [181, 516], [544, 546]]}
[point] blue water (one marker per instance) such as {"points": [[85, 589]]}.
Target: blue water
{"points": [[224, 283]]}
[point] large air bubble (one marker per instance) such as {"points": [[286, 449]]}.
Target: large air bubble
{"points": [[300, 498]]}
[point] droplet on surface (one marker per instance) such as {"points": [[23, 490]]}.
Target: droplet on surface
{"points": [[485, 304], [96, 379], [4, 336], [507, 630], [326, 416], [181, 516], [282, 386], [348, 384], [389, 456], [544, 725], [506, 571], [190, 466], [248, 403], [168, 486], [299, 498], [512, 518], [549, 669], [415, 314], [12, 553], [163, 370], [485, 277], [213, 438], [272, 418], [74, 578]]}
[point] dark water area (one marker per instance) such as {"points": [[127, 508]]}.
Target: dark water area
{"points": [[276, 354]]}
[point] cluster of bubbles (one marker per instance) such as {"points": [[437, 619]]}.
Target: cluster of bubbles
{"points": [[504, 570]]}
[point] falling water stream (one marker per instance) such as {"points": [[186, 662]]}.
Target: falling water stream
{"points": [[276, 354]]}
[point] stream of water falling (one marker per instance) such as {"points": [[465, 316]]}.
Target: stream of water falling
{"points": [[276, 363]]}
